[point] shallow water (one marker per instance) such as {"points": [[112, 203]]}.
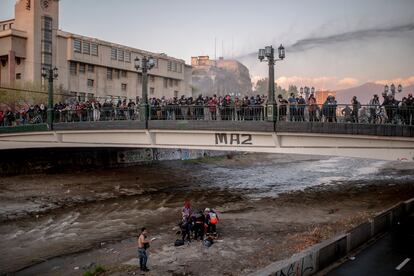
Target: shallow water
{"points": [[67, 213]]}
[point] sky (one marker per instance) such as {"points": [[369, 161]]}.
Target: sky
{"points": [[330, 44]]}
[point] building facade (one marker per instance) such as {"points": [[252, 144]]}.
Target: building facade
{"points": [[87, 67], [220, 77]]}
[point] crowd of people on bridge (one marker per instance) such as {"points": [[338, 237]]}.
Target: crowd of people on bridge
{"points": [[248, 108]]}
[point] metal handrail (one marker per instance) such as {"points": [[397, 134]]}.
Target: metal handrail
{"points": [[329, 112]]}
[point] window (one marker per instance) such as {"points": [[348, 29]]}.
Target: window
{"points": [[47, 29], [152, 78], [46, 43], [175, 82], [175, 66], [18, 76], [152, 90], [109, 73], [47, 59], [86, 48], [156, 62], [82, 67], [180, 68], [169, 65], [120, 55], [90, 83], [165, 83], [91, 68], [47, 47], [90, 96], [47, 23], [72, 68], [123, 86], [124, 73], [127, 56], [116, 73], [114, 53], [94, 49], [77, 46], [171, 82], [81, 96]]}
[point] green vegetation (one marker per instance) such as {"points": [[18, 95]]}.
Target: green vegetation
{"points": [[261, 88], [20, 97], [97, 270]]}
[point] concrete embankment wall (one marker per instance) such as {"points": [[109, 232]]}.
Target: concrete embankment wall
{"points": [[326, 253], [27, 161]]}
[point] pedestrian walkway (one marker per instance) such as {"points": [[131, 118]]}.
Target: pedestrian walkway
{"points": [[391, 255]]}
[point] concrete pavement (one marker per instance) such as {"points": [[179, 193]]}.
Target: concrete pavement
{"points": [[393, 254]]}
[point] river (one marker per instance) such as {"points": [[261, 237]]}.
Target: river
{"points": [[48, 215]]}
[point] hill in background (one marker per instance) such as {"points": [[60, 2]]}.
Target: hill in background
{"points": [[366, 91]]}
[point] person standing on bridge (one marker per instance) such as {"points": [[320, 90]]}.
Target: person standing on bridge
{"points": [[292, 107], [356, 105], [374, 104]]}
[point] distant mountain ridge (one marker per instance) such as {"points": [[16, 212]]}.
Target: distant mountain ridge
{"points": [[366, 91]]}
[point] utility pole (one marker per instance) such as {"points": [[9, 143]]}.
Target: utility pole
{"points": [[269, 53], [146, 65], [50, 74]]}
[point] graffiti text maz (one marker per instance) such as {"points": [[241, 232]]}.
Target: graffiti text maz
{"points": [[233, 139]]}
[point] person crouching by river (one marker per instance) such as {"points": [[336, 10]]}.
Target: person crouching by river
{"points": [[143, 245]]}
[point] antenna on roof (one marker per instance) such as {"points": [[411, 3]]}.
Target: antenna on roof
{"points": [[232, 47], [222, 49], [215, 50]]}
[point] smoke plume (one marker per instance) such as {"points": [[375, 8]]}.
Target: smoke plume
{"points": [[314, 42]]}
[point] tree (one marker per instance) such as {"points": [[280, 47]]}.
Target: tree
{"points": [[262, 89]]}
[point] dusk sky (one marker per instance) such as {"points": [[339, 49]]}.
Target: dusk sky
{"points": [[329, 44]]}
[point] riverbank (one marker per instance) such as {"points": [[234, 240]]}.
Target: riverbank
{"points": [[259, 224]]}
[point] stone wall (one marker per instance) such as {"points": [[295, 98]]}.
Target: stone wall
{"points": [[55, 160]]}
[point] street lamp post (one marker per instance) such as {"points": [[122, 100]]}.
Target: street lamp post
{"points": [[145, 65], [50, 74], [399, 88], [269, 53], [392, 89]]}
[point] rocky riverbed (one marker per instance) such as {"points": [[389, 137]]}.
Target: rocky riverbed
{"points": [[270, 206]]}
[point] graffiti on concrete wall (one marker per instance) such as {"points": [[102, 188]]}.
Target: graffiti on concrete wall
{"points": [[302, 267], [145, 155], [134, 156]]}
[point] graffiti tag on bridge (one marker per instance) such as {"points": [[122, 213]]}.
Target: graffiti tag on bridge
{"points": [[233, 139]]}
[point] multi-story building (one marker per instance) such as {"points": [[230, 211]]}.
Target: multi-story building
{"points": [[221, 77], [87, 67]]}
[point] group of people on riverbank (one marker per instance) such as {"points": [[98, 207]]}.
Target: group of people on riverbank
{"points": [[196, 225], [248, 108]]}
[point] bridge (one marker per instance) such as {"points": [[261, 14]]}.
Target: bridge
{"points": [[383, 142]]}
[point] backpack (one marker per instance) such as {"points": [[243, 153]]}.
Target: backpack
{"points": [[179, 243], [208, 242]]}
